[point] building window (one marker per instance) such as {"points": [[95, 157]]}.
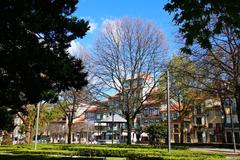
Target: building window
{"points": [[210, 113], [146, 122], [212, 138], [156, 111], [164, 116], [210, 125], [186, 125], [145, 111], [200, 137], [175, 128], [218, 126], [217, 112], [126, 84], [229, 137], [98, 116], [237, 137], [199, 110], [151, 111], [199, 120]]}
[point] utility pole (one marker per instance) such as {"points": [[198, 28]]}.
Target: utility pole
{"points": [[228, 110], [36, 136], [168, 113], [112, 124], [87, 133]]}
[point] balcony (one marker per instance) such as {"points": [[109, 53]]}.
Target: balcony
{"points": [[235, 125]]}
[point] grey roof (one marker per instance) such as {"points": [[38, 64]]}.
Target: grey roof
{"points": [[116, 118]]}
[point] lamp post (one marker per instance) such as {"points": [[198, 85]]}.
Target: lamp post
{"points": [[112, 124], [223, 126], [168, 113], [228, 111], [36, 136]]}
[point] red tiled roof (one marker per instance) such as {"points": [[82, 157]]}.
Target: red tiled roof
{"points": [[150, 103], [114, 96], [92, 109], [80, 119]]}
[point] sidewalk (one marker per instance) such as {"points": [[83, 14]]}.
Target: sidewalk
{"points": [[229, 152]]}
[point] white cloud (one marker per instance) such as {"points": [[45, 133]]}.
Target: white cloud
{"points": [[106, 21], [78, 50], [93, 27], [92, 23]]}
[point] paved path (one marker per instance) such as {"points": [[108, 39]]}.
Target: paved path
{"points": [[229, 152]]}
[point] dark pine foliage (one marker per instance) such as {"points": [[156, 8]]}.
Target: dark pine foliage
{"points": [[34, 61]]}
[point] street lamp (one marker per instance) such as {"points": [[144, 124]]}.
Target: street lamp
{"points": [[168, 113], [36, 136], [223, 126], [228, 111], [112, 124]]}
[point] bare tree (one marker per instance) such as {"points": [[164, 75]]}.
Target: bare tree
{"points": [[84, 128], [130, 56], [71, 103], [56, 130], [218, 68]]}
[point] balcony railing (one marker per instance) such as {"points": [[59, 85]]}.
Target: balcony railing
{"points": [[235, 125]]}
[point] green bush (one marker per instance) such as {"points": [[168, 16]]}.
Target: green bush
{"points": [[157, 133], [132, 152]]}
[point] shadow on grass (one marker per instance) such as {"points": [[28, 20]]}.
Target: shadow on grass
{"points": [[43, 157]]}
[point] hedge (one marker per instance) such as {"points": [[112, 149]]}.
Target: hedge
{"points": [[133, 153]]}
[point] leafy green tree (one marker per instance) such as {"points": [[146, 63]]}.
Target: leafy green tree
{"points": [[34, 61], [157, 133], [184, 89], [201, 20], [211, 30], [47, 113], [6, 116]]}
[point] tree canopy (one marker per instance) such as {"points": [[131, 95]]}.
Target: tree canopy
{"points": [[34, 61], [130, 55], [200, 20]]}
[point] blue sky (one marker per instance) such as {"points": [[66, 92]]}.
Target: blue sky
{"points": [[98, 11]]}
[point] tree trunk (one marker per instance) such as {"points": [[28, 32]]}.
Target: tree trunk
{"points": [[129, 130], [223, 119], [182, 132], [69, 138], [27, 138], [237, 97]]}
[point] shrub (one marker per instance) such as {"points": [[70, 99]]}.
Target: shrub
{"points": [[132, 152], [157, 133]]}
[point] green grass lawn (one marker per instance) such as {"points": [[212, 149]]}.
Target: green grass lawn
{"points": [[115, 158], [111, 152]]}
